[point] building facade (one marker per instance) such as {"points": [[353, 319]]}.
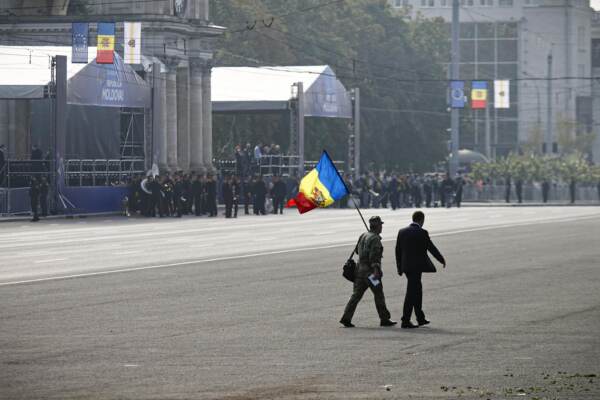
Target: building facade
{"points": [[525, 41], [177, 49]]}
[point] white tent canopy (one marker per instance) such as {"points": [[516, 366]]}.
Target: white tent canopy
{"points": [[246, 89], [25, 70]]}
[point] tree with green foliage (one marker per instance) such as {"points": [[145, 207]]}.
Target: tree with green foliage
{"points": [[370, 46]]}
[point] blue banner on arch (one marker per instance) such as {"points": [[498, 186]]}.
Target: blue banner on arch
{"points": [[79, 45]]}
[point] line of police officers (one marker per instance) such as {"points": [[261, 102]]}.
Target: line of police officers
{"points": [[197, 194], [411, 190]]}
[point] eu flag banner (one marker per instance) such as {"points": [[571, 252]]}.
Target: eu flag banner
{"points": [[321, 187], [478, 94], [457, 94], [106, 43], [79, 42]]}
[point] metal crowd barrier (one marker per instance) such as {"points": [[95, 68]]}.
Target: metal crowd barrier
{"points": [[269, 165]]}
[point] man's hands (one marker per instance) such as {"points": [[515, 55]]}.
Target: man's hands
{"points": [[378, 273]]}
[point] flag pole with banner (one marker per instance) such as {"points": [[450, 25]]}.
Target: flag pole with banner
{"points": [[79, 42], [106, 43], [321, 187], [133, 42]]}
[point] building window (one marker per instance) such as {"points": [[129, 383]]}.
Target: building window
{"points": [[431, 3], [505, 3], [507, 50], [581, 70], [507, 30]]}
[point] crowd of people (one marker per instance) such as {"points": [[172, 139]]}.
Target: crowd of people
{"points": [[174, 195], [249, 159], [378, 190], [198, 194]]}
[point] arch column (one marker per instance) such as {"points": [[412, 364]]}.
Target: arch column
{"points": [[207, 114], [160, 119], [183, 118], [196, 114], [171, 113]]}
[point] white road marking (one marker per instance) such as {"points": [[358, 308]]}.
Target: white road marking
{"points": [[49, 261], [122, 253], [267, 253]]}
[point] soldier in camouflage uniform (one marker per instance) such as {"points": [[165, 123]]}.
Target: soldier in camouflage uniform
{"points": [[370, 251]]}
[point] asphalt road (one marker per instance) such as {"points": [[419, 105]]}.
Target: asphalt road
{"points": [[248, 309]]}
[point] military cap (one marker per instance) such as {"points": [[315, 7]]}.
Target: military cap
{"points": [[375, 220]]}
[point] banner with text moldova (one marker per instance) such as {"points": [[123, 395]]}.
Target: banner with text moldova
{"points": [[106, 43]]}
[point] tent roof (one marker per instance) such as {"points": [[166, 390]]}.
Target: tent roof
{"points": [[247, 89], [25, 73], [25, 70]]}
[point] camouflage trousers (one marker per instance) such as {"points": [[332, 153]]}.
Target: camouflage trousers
{"points": [[360, 287]]}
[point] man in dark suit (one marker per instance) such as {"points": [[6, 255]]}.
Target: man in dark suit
{"points": [[412, 260]]}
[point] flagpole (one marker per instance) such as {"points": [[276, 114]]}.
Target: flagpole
{"points": [[357, 209]]}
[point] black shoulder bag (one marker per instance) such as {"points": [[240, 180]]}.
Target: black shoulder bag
{"points": [[349, 269]]}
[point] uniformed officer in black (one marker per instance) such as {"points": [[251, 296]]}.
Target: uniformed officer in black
{"points": [[211, 196], [44, 196], [370, 252], [34, 198]]}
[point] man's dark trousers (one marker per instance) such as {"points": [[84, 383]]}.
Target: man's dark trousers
{"points": [[414, 297], [360, 287]]}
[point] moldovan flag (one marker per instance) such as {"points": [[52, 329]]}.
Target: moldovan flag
{"points": [[478, 94], [133, 42], [106, 43], [502, 94], [321, 187]]}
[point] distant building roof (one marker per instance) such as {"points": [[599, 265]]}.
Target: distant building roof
{"points": [[247, 89]]}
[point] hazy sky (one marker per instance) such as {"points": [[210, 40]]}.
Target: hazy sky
{"points": [[596, 4]]}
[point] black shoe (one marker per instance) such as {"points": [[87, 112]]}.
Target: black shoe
{"points": [[388, 322], [347, 324], [408, 325], [423, 322]]}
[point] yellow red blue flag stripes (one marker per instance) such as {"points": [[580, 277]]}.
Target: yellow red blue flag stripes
{"points": [[321, 187], [106, 43]]}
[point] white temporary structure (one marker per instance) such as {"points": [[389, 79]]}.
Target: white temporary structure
{"points": [[252, 89]]}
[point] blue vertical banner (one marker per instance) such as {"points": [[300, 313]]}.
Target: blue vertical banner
{"points": [[457, 94], [79, 46]]}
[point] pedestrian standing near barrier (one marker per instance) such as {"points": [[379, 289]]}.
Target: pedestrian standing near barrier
{"points": [[428, 189], [211, 196], [246, 190], [34, 198], [259, 193], [368, 274], [278, 194], [458, 190], [235, 190], [197, 195], [178, 196], [44, 196], [226, 189]]}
